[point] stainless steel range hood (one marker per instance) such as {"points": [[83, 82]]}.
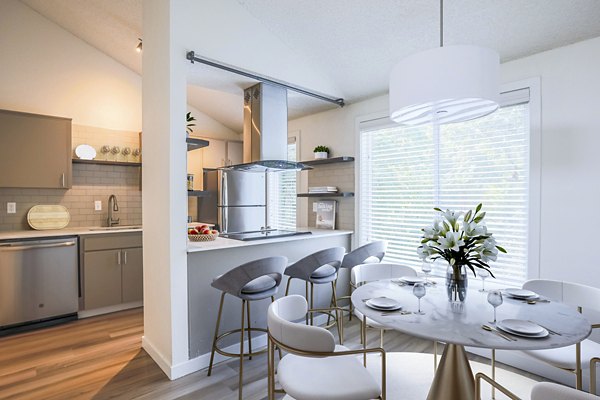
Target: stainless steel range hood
{"points": [[265, 131]]}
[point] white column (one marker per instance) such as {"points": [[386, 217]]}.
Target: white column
{"points": [[164, 197]]}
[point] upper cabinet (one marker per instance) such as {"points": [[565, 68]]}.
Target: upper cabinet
{"points": [[221, 153], [35, 151], [235, 153]]}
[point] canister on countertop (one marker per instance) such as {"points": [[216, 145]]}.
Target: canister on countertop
{"points": [[190, 182]]}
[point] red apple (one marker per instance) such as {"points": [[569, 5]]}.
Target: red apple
{"points": [[214, 232], [192, 232], [205, 231]]}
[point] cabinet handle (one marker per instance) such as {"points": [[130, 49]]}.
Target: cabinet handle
{"points": [[119, 257], [124, 257], [63, 179]]}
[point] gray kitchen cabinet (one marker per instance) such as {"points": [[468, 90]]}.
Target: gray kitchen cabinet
{"points": [[35, 151], [112, 269]]}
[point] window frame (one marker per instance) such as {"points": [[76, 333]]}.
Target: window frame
{"points": [[535, 149]]}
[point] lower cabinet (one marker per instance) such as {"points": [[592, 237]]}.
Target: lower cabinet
{"points": [[111, 276]]}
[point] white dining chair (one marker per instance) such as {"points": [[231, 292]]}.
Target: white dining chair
{"points": [[315, 368], [540, 391], [365, 273], [570, 358]]}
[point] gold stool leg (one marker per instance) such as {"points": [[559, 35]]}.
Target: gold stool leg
{"points": [[330, 305], [287, 286], [249, 331], [493, 372], [435, 354], [364, 338], [271, 369], [241, 379], [278, 349], [339, 318], [578, 370], [307, 300], [381, 338], [214, 345], [312, 302]]}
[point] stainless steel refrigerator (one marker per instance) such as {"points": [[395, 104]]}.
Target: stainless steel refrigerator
{"points": [[241, 201]]}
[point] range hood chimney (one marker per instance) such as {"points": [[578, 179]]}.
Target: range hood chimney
{"points": [[265, 130]]}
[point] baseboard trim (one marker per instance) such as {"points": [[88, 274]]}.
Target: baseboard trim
{"points": [[109, 309], [158, 358]]}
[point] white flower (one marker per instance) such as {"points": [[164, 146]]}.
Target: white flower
{"points": [[425, 251], [474, 229], [451, 241]]}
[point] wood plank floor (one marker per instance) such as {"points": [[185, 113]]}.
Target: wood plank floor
{"points": [[102, 358]]}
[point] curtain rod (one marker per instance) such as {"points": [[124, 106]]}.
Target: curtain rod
{"points": [[193, 58]]}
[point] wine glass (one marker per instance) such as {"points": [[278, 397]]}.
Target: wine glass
{"points": [[495, 299], [426, 268], [483, 274], [419, 291]]}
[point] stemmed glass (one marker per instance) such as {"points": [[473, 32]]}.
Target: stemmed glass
{"points": [[419, 291], [495, 299], [426, 268], [483, 274]]}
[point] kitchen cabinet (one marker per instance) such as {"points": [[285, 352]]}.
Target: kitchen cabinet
{"points": [[215, 154], [112, 269], [235, 153], [35, 151]]}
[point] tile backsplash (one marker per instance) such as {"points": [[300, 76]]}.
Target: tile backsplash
{"points": [[91, 182]]}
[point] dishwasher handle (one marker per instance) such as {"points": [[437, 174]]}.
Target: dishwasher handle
{"points": [[8, 247]]}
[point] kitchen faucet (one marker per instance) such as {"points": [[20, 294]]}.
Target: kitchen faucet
{"points": [[112, 206]]}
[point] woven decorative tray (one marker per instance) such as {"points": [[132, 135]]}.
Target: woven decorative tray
{"points": [[203, 238]]}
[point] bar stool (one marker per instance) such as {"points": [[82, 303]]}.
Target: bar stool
{"points": [[319, 268], [372, 252], [256, 280]]}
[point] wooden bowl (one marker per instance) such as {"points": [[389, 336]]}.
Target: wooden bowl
{"points": [[203, 237]]}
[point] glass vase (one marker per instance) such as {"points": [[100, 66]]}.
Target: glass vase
{"points": [[456, 283]]}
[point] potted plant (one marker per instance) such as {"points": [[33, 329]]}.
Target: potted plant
{"points": [[321, 152], [464, 242], [189, 119]]}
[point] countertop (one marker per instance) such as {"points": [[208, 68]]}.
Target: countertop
{"points": [[223, 243], [78, 231]]}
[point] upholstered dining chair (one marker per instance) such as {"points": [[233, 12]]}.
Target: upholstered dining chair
{"points": [[570, 358], [540, 391], [252, 281], [369, 253], [319, 268], [365, 273], [315, 368]]}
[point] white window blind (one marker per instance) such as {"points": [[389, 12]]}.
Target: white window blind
{"points": [[407, 171], [282, 194]]}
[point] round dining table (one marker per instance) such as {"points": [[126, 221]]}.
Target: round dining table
{"points": [[460, 325]]}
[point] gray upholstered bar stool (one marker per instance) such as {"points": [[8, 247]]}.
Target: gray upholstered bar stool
{"points": [[372, 252], [317, 269], [256, 280]]}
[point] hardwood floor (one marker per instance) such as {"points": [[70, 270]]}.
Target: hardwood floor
{"points": [[102, 358]]}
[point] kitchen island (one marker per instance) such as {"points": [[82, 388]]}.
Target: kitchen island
{"points": [[207, 260]]}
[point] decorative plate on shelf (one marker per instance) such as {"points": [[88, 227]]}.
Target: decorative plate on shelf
{"points": [[85, 152]]}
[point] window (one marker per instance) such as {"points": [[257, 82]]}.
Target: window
{"points": [[407, 171], [282, 194]]}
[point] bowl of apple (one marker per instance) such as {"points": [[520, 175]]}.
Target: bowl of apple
{"points": [[202, 233]]}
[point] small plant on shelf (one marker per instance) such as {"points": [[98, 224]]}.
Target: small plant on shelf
{"points": [[321, 152], [189, 119]]}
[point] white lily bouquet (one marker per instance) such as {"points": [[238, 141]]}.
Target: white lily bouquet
{"points": [[462, 239]]}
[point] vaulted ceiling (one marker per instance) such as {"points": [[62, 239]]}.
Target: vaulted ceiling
{"points": [[354, 43]]}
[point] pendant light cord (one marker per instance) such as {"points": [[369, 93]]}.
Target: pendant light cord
{"points": [[441, 23]]}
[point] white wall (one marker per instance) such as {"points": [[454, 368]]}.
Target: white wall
{"points": [[570, 176], [207, 127]]}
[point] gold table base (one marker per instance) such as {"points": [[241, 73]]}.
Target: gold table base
{"points": [[454, 378]]}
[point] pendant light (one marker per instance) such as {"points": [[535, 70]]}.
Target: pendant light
{"points": [[445, 84]]}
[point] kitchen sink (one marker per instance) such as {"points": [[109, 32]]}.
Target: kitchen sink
{"points": [[116, 228]]}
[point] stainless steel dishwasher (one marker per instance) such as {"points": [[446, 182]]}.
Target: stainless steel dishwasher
{"points": [[38, 282]]}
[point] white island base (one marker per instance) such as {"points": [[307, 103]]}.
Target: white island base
{"points": [[207, 260]]}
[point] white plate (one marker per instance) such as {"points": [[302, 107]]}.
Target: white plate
{"points": [[537, 336], [85, 152], [521, 326], [521, 293], [411, 280], [383, 303]]}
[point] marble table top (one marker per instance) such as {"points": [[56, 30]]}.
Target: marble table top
{"points": [[444, 324]]}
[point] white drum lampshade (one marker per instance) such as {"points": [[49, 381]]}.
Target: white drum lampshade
{"points": [[444, 85]]}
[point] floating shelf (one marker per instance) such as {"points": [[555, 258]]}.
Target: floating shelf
{"points": [[201, 193], [107, 162], [320, 161], [335, 194], [195, 144]]}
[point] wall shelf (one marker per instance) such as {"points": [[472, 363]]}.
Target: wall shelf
{"points": [[201, 193], [107, 162], [321, 161], [335, 194], [195, 144]]}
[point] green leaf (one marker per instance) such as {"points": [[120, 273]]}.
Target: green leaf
{"points": [[478, 207], [425, 240], [479, 217], [468, 216], [500, 248], [456, 226], [446, 226], [438, 209]]}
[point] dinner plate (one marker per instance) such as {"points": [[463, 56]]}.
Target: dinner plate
{"points": [[85, 152], [411, 280], [521, 294], [522, 328], [383, 304], [523, 335]]}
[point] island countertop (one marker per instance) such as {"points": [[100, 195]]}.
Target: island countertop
{"points": [[224, 243]]}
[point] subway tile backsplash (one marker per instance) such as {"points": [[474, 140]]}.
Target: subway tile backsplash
{"points": [[91, 182]]}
